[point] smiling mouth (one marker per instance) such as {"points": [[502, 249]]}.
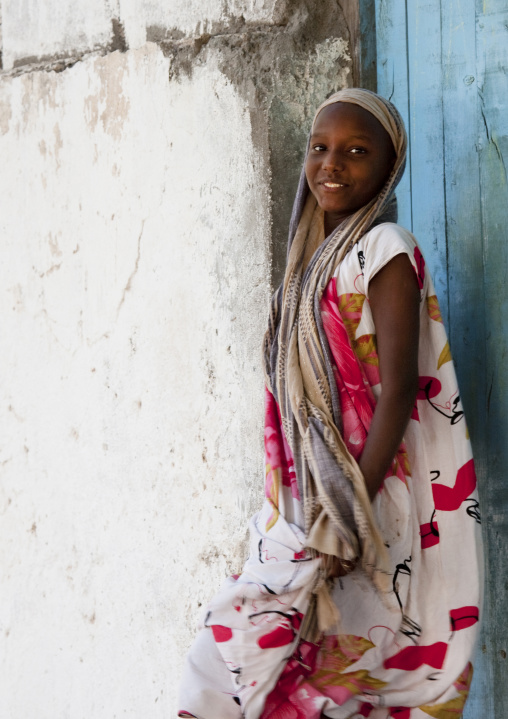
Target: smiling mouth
{"points": [[333, 185]]}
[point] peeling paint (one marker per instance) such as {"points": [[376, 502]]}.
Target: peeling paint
{"points": [[111, 97], [58, 143], [38, 39], [137, 289], [55, 33], [118, 41], [5, 107], [91, 110]]}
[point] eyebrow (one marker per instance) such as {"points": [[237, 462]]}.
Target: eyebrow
{"points": [[353, 137]]}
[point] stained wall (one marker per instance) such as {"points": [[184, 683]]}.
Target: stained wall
{"points": [[149, 155]]}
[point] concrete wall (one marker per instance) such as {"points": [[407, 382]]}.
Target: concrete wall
{"points": [[149, 156]]}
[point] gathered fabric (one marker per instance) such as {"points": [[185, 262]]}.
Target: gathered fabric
{"points": [[298, 369], [394, 637]]}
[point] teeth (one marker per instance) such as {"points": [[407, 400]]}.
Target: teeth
{"points": [[332, 184]]}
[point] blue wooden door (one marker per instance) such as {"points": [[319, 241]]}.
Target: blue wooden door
{"points": [[444, 63]]}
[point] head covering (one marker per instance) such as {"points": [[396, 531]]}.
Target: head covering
{"points": [[338, 516], [384, 205], [385, 113]]}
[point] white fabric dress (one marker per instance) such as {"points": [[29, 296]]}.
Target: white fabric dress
{"points": [[410, 660]]}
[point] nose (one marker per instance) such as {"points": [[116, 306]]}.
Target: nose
{"points": [[333, 161]]}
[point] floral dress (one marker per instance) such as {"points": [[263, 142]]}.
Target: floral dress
{"points": [[411, 660]]}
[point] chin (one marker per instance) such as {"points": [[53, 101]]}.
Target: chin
{"points": [[334, 209]]}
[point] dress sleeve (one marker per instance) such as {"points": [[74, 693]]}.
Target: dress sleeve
{"points": [[382, 244]]}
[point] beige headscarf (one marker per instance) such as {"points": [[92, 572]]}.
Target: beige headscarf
{"points": [[338, 516]]}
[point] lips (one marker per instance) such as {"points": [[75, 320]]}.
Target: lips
{"points": [[332, 186]]}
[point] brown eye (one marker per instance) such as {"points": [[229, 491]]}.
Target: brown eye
{"points": [[358, 150]]}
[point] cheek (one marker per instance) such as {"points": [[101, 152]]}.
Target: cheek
{"points": [[376, 179], [308, 172]]}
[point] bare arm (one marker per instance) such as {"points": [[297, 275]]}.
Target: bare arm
{"points": [[395, 304]]}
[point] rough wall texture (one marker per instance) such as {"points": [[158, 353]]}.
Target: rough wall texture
{"points": [[149, 152]]}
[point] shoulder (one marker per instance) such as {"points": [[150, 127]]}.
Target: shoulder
{"points": [[388, 238], [384, 242]]}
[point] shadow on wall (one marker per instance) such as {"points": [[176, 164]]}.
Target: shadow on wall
{"points": [[284, 72]]}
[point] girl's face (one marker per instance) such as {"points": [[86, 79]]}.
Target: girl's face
{"points": [[350, 158]]}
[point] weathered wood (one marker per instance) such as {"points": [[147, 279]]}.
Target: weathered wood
{"points": [[463, 218], [492, 124], [392, 81], [445, 65], [360, 17], [351, 12], [427, 140], [465, 260], [367, 36]]}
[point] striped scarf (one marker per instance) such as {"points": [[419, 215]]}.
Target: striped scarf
{"points": [[339, 522]]}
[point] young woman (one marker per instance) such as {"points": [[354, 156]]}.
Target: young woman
{"points": [[362, 591]]}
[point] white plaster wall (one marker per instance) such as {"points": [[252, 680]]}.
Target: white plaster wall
{"points": [[195, 17], [35, 29], [134, 272]]}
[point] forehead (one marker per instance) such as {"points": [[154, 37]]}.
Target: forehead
{"points": [[351, 119]]}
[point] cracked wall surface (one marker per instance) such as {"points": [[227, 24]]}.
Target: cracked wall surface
{"points": [[49, 30], [146, 188]]}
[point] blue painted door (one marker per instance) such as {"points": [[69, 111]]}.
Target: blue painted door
{"points": [[444, 63]]}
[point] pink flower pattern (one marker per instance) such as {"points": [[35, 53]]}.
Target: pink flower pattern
{"points": [[353, 379], [314, 675], [254, 608], [294, 696], [277, 452]]}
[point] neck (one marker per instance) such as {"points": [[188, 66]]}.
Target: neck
{"points": [[332, 221]]}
